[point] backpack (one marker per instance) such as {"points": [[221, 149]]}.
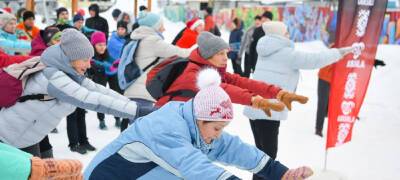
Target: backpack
{"points": [[13, 79], [160, 78], [128, 71]]}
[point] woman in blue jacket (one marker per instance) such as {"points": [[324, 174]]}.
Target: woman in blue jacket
{"points": [[182, 139]]}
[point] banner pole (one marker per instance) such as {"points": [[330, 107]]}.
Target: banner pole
{"points": [[326, 159]]}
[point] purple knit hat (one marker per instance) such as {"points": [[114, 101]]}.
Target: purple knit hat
{"points": [[211, 103]]}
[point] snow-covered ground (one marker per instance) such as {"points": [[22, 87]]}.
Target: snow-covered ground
{"points": [[373, 153]]}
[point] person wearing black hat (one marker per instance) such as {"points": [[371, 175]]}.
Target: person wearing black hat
{"points": [[63, 21], [115, 14], [96, 21], [117, 40], [210, 25], [258, 33], [78, 21], [28, 25]]}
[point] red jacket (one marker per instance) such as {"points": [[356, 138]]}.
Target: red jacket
{"points": [[240, 89], [6, 60], [38, 46], [188, 39]]}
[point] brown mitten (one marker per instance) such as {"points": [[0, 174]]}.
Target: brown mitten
{"points": [[53, 169], [266, 105], [287, 98], [298, 173]]}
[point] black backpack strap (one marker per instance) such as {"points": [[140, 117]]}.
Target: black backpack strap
{"points": [[151, 64], [41, 97], [23, 72], [181, 93]]}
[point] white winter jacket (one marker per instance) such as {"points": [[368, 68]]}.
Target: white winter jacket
{"points": [[279, 63], [27, 123], [151, 46]]}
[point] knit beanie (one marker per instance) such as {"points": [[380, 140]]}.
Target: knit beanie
{"points": [[209, 44], [142, 8], [97, 37], [77, 17], [115, 13], [274, 27], [211, 103], [60, 10], [75, 45], [122, 24], [48, 33], [150, 20], [192, 24], [27, 15], [5, 18]]}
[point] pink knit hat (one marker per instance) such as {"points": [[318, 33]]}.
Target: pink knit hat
{"points": [[211, 103], [97, 37]]}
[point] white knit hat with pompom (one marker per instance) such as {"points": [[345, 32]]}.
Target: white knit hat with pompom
{"points": [[211, 103]]}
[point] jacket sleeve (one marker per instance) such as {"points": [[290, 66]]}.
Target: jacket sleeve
{"points": [[256, 87], [165, 50], [306, 60], [243, 43], [189, 162], [17, 45], [88, 95], [230, 150], [6, 60]]}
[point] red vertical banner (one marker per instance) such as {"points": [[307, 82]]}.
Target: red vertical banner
{"points": [[359, 25]]}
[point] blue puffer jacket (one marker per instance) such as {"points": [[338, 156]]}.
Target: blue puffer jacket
{"points": [[166, 144], [115, 45], [11, 44], [279, 64]]}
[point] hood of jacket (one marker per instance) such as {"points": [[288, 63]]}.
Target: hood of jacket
{"points": [[54, 57], [115, 37], [38, 46], [270, 44], [191, 120], [143, 32]]}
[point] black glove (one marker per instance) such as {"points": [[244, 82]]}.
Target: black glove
{"points": [[378, 62]]}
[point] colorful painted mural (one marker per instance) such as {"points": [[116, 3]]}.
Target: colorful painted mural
{"points": [[305, 22]]}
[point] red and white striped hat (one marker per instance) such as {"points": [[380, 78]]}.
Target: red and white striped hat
{"points": [[192, 24], [211, 103]]}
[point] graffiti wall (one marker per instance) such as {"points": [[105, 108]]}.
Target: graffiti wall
{"points": [[305, 22]]}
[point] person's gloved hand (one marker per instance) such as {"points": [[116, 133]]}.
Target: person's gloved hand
{"points": [[378, 62], [298, 174], [287, 98], [266, 105], [52, 169], [346, 50]]}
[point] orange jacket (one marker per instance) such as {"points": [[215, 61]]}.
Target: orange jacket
{"points": [[325, 73], [31, 33]]}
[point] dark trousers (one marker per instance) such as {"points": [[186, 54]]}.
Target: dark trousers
{"points": [[323, 100], [76, 127], [265, 134], [112, 82], [237, 68], [40, 148], [247, 65], [144, 107]]}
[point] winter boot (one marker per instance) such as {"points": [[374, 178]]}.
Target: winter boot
{"points": [[88, 146], [47, 154], [77, 148], [117, 122], [102, 125]]}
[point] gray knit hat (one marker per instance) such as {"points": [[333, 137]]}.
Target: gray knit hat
{"points": [[5, 18], [75, 45], [209, 44]]}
